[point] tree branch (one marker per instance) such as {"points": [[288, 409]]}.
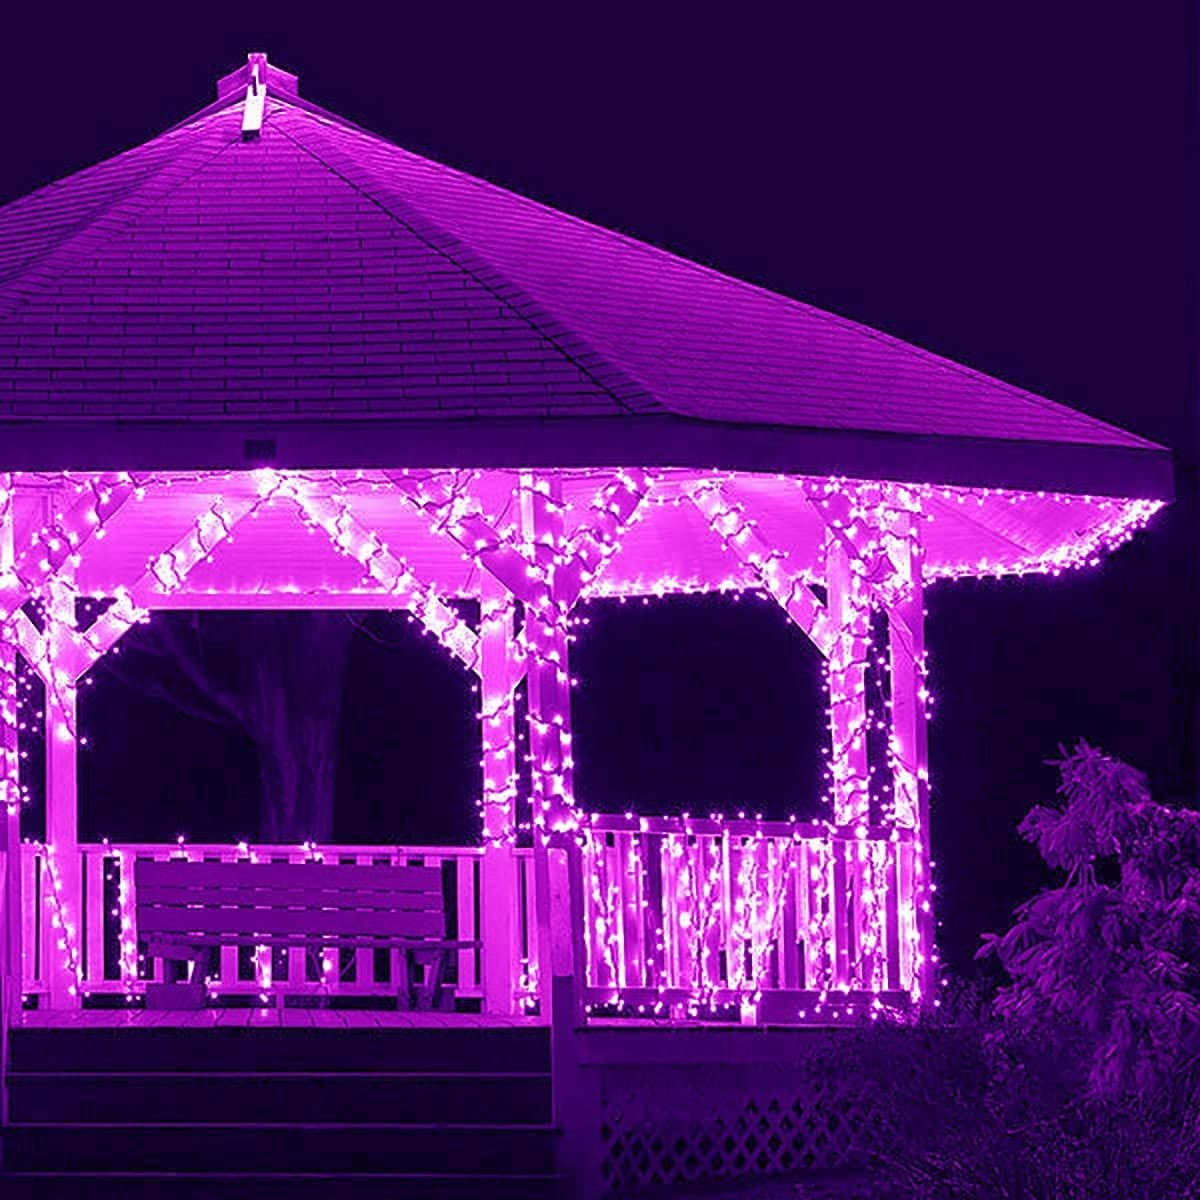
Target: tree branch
{"points": [[362, 627], [163, 643], [193, 669], [153, 687]]}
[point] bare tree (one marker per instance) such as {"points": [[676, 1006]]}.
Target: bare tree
{"points": [[279, 677]]}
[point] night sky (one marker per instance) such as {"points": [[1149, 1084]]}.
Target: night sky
{"points": [[1011, 186]]}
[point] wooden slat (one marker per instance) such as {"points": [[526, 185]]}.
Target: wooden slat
{"points": [[364, 957], [314, 922], [184, 938], [633, 910], [842, 934], [614, 901], [529, 916], [906, 921], [295, 959], [468, 976], [226, 851], [31, 896], [737, 827], [313, 876], [669, 913], [789, 967], [227, 970], [725, 846], [294, 897], [655, 908], [891, 893], [96, 918]]}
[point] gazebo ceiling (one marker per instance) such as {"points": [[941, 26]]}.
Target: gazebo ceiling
{"points": [[276, 559], [312, 296]]}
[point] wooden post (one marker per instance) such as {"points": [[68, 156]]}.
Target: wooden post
{"points": [[547, 681], [546, 667], [498, 871], [62, 811], [847, 677], [573, 1100], [10, 866], [910, 742], [11, 980], [848, 760], [11, 966]]}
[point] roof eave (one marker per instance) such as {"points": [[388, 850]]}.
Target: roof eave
{"points": [[540, 441]]}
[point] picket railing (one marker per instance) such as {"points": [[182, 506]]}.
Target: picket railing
{"points": [[690, 914], [111, 963], [682, 916]]}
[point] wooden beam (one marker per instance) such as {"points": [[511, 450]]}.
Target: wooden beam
{"points": [[496, 663], [910, 768], [450, 508], [592, 543], [10, 819], [348, 533], [25, 636], [869, 520], [164, 573], [544, 635], [847, 682], [203, 601], [500, 896], [62, 812], [63, 537], [730, 520]]}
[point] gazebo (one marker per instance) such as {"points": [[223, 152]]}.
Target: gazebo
{"points": [[268, 360]]}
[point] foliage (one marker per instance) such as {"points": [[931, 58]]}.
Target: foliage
{"points": [[1109, 960], [1080, 1078]]}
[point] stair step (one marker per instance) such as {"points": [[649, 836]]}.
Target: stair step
{"points": [[171, 1185], [304, 1148], [343, 1097], [245, 1048]]}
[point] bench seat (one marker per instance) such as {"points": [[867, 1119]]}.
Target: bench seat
{"points": [[184, 908]]}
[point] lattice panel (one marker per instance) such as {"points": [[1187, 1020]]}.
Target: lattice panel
{"points": [[657, 1131]]}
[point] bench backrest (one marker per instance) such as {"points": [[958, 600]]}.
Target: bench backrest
{"points": [[288, 899]]}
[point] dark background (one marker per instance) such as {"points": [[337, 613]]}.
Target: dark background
{"points": [[1009, 185]]}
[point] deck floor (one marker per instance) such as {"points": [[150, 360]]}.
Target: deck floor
{"points": [[266, 1018]]}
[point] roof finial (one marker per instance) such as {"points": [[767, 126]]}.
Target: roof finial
{"points": [[234, 86], [256, 96]]}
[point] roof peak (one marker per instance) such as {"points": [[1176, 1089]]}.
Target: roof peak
{"points": [[276, 78]]}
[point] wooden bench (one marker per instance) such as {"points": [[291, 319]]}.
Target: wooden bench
{"points": [[184, 909]]}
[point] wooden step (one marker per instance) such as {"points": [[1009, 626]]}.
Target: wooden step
{"points": [[247, 1049], [234, 1148], [274, 1186], [519, 1098]]}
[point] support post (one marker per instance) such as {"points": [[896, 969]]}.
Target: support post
{"points": [[910, 764], [849, 616], [11, 973], [557, 865], [62, 814], [498, 871], [10, 865], [547, 671]]}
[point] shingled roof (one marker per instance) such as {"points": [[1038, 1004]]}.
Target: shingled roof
{"points": [[312, 294]]}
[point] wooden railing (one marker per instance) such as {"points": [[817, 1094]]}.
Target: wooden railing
{"points": [[680, 916], [111, 963], [693, 914]]}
